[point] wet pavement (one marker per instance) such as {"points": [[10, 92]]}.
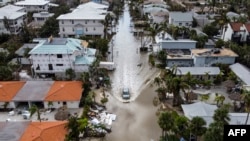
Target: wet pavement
{"points": [[129, 73]]}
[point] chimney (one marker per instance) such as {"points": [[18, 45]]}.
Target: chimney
{"points": [[50, 39]]}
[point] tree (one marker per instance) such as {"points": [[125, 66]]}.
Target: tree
{"points": [[162, 56], [166, 123], [154, 30], [5, 73], [219, 43], [50, 27], [102, 46], [210, 30], [197, 126], [246, 98], [104, 100], [34, 109], [70, 74]]}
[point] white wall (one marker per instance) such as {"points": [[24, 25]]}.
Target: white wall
{"points": [[10, 105], [201, 60], [178, 62], [89, 27], [58, 104], [4, 2], [177, 45], [35, 8]]}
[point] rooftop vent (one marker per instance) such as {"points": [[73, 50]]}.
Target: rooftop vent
{"points": [[50, 39]]}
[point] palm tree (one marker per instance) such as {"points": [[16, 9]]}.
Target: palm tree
{"points": [[197, 126], [70, 73], [246, 98], [221, 115], [166, 123], [34, 109], [154, 30]]}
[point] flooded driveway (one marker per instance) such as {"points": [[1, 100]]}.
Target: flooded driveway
{"points": [[132, 69]]}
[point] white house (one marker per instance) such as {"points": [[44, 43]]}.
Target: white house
{"points": [[55, 55], [235, 32], [86, 20], [34, 5], [199, 72], [181, 19], [15, 17], [166, 41], [40, 18], [242, 72], [207, 57]]}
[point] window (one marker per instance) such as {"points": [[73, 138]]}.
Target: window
{"points": [[86, 22], [72, 21], [93, 21], [94, 28], [38, 67], [58, 102], [59, 55], [86, 29], [64, 103], [62, 22], [73, 29], [50, 66], [180, 24], [63, 29], [186, 24], [59, 64]]}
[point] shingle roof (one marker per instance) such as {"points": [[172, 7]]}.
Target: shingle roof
{"points": [[65, 91], [236, 26], [9, 89], [198, 70], [242, 72], [45, 131], [33, 91], [12, 131]]}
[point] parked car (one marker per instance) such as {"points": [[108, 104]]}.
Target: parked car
{"points": [[125, 93], [25, 114]]}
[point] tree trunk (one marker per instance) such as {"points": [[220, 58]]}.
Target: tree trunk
{"points": [[247, 118], [177, 100]]}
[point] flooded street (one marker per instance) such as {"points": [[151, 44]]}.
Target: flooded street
{"points": [[136, 120], [127, 56]]}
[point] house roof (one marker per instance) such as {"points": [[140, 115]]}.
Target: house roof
{"points": [[236, 26], [242, 72], [12, 131], [84, 60], [181, 16], [65, 91], [200, 109], [210, 52], [33, 91], [32, 2], [198, 70], [247, 25], [21, 50], [90, 11], [9, 89], [57, 46], [11, 12], [43, 14], [45, 131]]}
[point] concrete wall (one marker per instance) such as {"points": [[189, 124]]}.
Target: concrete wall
{"points": [[179, 62], [10, 105], [203, 61], [58, 104], [175, 44]]}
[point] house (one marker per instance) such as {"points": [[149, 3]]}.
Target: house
{"points": [[12, 131], [62, 93], [86, 20], [22, 54], [53, 56], [45, 131], [33, 131], [207, 57], [8, 90], [34, 5], [247, 27], [33, 92], [181, 19], [11, 19], [179, 58], [242, 72], [199, 72], [235, 32], [166, 41], [41, 18]]}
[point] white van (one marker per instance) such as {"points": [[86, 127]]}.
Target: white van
{"points": [[107, 65]]}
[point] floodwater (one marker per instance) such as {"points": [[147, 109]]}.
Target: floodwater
{"points": [[136, 120], [127, 57]]}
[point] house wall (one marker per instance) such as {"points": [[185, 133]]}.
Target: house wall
{"points": [[36, 8], [81, 27], [177, 45], [10, 105], [15, 25], [179, 23], [179, 62], [4, 2], [43, 61], [58, 104], [41, 20], [204, 77], [205, 61]]}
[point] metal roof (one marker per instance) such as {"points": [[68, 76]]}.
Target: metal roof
{"points": [[242, 72], [12, 131], [181, 16], [84, 60], [21, 50], [11, 12], [33, 91], [198, 70], [32, 2]]}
